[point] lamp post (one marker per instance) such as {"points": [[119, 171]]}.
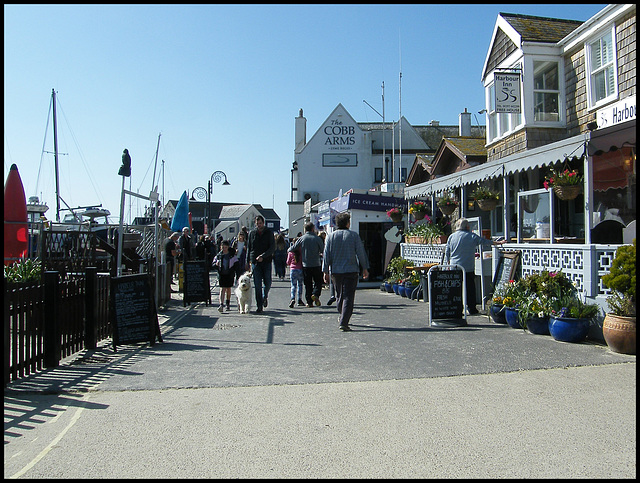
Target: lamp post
{"points": [[200, 193]]}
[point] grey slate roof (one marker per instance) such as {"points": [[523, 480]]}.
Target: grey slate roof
{"points": [[540, 29]]}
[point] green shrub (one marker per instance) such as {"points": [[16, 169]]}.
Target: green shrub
{"points": [[622, 280], [26, 270]]}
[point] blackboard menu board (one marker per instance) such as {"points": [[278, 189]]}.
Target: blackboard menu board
{"points": [[507, 268], [196, 282], [133, 311], [445, 294]]}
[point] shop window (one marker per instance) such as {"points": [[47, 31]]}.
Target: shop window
{"points": [[546, 92], [377, 175], [601, 66], [534, 216]]}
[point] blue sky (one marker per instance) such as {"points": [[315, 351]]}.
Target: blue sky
{"points": [[223, 85]]}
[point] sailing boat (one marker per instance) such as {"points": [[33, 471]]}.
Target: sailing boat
{"points": [[75, 219]]}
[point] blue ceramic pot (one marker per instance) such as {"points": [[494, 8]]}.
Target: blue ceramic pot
{"points": [[566, 329], [388, 286], [396, 289], [402, 291], [538, 325], [497, 314], [409, 289], [511, 315]]}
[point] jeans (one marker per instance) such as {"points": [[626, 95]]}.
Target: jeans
{"points": [[345, 284], [296, 283], [261, 272]]}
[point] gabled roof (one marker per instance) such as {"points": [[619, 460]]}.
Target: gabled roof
{"points": [[512, 29], [540, 29]]}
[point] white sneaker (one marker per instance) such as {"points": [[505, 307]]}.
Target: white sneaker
{"points": [[221, 308]]}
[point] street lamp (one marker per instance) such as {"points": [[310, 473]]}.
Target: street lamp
{"points": [[200, 193]]}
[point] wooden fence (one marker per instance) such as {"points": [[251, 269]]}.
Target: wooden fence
{"points": [[48, 320]]}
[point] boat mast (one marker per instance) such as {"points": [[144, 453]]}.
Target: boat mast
{"points": [[55, 154]]}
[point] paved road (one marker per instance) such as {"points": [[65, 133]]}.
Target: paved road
{"points": [[286, 394]]}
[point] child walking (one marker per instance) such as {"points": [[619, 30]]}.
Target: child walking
{"points": [[294, 261], [225, 262]]}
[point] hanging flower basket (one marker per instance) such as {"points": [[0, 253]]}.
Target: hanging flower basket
{"points": [[447, 209], [419, 215], [487, 204], [567, 192]]}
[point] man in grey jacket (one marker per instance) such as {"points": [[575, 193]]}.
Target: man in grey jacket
{"points": [[343, 256], [311, 247]]}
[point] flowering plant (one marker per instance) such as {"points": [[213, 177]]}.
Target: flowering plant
{"points": [[447, 199], [418, 207], [571, 306], [394, 211], [564, 178], [483, 193], [428, 228]]}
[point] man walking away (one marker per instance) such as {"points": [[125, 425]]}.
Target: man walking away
{"points": [[311, 247], [343, 256]]}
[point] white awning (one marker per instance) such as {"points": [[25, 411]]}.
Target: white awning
{"points": [[547, 155]]}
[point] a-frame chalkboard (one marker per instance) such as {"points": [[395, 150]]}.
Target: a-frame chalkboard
{"points": [[133, 310], [507, 268], [196, 282]]}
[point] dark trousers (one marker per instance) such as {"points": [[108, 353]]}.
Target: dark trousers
{"points": [[471, 291], [345, 284], [261, 272], [312, 282]]}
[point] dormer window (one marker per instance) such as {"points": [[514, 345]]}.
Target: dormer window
{"points": [[602, 69]]}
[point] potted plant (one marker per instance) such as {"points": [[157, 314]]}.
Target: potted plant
{"points": [[619, 326], [511, 302], [428, 230], [570, 318], [395, 214], [566, 184], [411, 283], [418, 209], [486, 198], [396, 271], [496, 305], [447, 203], [538, 291]]}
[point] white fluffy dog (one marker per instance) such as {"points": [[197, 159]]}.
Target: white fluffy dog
{"points": [[244, 293]]}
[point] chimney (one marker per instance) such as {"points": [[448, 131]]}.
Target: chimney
{"points": [[301, 132], [465, 124]]}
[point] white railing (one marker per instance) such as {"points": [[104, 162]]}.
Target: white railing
{"points": [[583, 264]]}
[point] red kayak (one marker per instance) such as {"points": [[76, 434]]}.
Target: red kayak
{"points": [[15, 218]]}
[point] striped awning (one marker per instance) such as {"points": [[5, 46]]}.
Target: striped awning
{"points": [[548, 155]]}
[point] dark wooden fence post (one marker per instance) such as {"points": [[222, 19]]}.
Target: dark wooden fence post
{"points": [[7, 338], [90, 316], [51, 323]]}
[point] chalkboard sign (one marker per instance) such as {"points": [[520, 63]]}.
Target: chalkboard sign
{"points": [[196, 282], [133, 311], [507, 268], [445, 296]]}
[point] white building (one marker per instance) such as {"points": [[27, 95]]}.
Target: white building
{"points": [[344, 154]]}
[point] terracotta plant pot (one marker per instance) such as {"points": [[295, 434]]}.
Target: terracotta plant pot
{"points": [[620, 333]]}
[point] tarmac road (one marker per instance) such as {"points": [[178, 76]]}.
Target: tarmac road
{"points": [[286, 394]]}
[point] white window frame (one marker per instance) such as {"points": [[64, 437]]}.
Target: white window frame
{"points": [[545, 90], [529, 91], [613, 64]]}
